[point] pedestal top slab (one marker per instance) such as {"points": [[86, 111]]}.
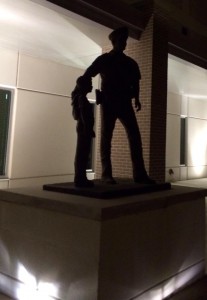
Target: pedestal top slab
{"points": [[99, 209]]}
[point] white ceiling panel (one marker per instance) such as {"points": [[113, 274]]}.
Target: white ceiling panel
{"points": [[46, 30], [40, 28], [187, 79]]}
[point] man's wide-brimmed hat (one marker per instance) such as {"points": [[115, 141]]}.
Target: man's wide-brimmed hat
{"points": [[119, 33]]}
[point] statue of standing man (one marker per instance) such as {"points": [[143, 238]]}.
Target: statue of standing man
{"points": [[120, 76]]}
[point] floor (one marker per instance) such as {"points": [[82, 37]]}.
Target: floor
{"points": [[198, 290], [197, 183]]}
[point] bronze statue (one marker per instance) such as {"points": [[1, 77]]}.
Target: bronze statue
{"points": [[120, 76], [82, 112]]}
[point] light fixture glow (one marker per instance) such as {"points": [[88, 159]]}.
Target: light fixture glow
{"points": [[47, 288], [169, 288], [25, 277], [30, 289], [9, 16], [174, 284], [198, 151]]}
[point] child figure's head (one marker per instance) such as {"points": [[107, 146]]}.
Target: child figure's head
{"points": [[84, 84]]}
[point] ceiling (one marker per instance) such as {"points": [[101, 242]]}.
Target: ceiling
{"points": [[187, 79], [40, 28], [43, 29]]}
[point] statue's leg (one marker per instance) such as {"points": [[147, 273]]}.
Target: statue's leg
{"points": [[128, 119], [108, 120], [82, 154]]}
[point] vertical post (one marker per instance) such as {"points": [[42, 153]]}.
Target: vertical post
{"points": [[159, 99]]}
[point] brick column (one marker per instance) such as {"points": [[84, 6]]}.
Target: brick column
{"points": [[159, 99], [144, 58]]}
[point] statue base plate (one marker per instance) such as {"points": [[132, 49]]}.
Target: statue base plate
{"points": [[124, 187]]}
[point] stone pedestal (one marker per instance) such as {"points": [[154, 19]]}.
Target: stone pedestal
{"points": [[59, 246]]}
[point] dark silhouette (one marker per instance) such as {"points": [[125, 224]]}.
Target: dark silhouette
{"points": [[83, 113], [120, 76]]}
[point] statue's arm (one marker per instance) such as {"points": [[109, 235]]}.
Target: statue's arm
{"points": [[95, 68], [136, 86], [86, 115], [136, 96]]}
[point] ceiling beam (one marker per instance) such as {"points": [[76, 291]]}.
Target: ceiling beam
{"points": [[111, 13]]}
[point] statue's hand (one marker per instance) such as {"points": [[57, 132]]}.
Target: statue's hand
{"points": [[93, 134], [90, 132], [138, 105]]}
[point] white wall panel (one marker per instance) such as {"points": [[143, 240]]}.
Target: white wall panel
{"points": [[197, 172], [46, 76], [171, 177], [197, 108], [173, 141], [174, 103], [96, 84], [183, 173], [8, 63], [185, 81], [184, 105], [4, 183], [197, 143], [38, 181], [44, 136]]}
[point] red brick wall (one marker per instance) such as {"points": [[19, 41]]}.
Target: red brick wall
{"points": [[159, 99], [145, 48]]}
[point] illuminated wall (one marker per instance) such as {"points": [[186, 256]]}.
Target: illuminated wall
{"points": [[194, 110], [42, 134], [186, 145]]}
